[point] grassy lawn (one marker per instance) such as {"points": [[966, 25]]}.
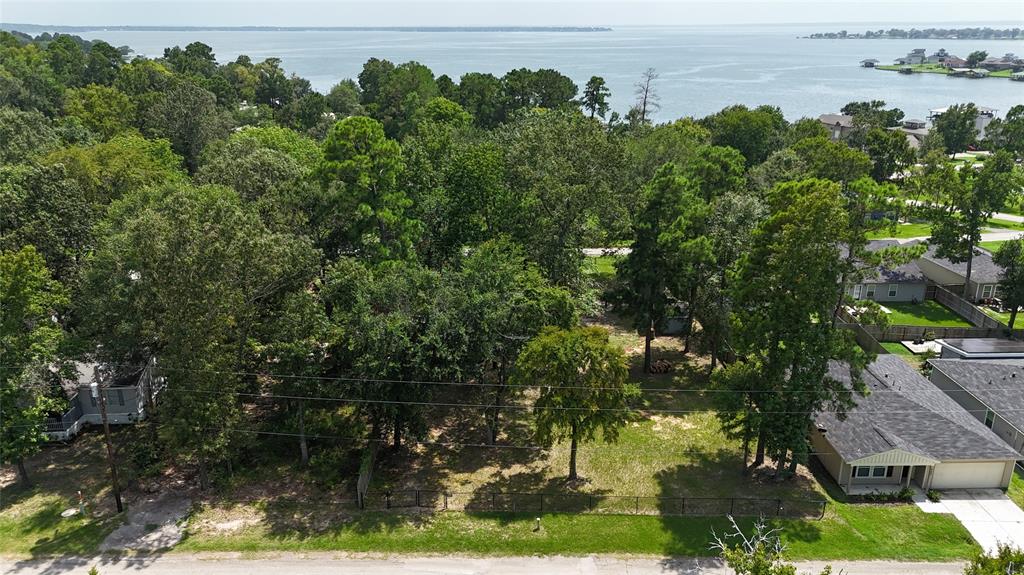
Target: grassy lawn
{"points": [[927, 313], [897, 348], [903, 231], [1003, 316], [991, 246], [939, 69], [1005, 225], [1016, 490], [656, 455], [601, 265], [848, 532], [30, 521]]}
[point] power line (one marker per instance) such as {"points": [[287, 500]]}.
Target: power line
{"points": [[515, 386]]}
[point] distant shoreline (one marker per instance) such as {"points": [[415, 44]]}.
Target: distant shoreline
{"points": [[963, 33], [61, 28]]}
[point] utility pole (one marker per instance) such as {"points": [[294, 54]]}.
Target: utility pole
{"points": [[101, 398]]}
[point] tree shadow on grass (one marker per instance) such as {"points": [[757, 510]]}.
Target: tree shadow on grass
{"points": [[506, 496]]}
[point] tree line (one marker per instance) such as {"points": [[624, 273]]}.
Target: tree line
{"points": [[264, 240]]}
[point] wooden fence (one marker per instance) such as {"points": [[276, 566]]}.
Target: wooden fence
{"points": [[965, 309]]}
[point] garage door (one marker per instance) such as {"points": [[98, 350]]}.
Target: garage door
{"points": [[968, 475]]}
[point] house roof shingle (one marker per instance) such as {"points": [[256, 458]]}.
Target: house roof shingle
{"points": [[906, 273], [833, 119], [1000, 386], [906, 411], [983, 269]]}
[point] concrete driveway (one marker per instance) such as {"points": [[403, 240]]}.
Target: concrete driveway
{"points": [[988, 514]]}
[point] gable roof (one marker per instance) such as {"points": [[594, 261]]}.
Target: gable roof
{"points": [[983, 269], [1000, 386], [832, 119], [909, 272], [907, 412]]}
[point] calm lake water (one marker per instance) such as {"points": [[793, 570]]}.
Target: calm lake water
{"points": [[703, 69]]}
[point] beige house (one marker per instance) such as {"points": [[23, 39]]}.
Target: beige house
{"points": [[907, 432]]}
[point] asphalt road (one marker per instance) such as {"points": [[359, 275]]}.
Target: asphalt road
{"points": [[323, 564]]}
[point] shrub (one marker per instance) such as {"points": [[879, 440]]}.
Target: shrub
{"points": [[905, 495], [934, 496], [1007, 561]]}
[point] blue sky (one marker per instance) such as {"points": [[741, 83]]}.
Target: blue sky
{"points": [[504, 12]]}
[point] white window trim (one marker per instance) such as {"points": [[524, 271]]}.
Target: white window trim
{"points": [[894, 290], [870, 292], [858, 291]]}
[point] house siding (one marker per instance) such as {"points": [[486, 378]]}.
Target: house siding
{"points": [[939, 274], [972, 475], [906, 292], [131, 409], [1006, 431]]}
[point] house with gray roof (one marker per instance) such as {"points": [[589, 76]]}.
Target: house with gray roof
{"points": [[904, 283], [991, 391], [905, 432], [838, 125], [984, 273]]}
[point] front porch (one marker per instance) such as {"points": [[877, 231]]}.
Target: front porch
{"points": [[889, 471]]}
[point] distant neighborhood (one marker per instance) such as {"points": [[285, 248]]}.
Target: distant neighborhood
{"points": [[978, 64], [925, 34]]}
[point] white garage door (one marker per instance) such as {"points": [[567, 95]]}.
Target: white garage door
{"points": [[968, 475]]}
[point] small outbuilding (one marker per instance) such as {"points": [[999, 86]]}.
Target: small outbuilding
{"points": [[869, 63], [981, 348]]}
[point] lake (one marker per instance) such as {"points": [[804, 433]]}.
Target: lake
{"points": [[702, 69]]}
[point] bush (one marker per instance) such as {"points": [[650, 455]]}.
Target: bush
{"points": [[905, 495], [1007, 561], [335, 465], [934, 496]]}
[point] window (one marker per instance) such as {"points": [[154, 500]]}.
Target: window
{"points": [[990, 418], [857, 291], [92, 400], [862, 471], [877, 472], [893, 289], [986, 291], [120, 397], [871, 291]]}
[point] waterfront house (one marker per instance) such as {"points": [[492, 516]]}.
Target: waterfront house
{"points": [[915, 56], [869, 63], [992, 392], [985, 117], [905, 283], [1018, 76], [907, 432], [1006, 62], [838, 125], [954, 62]]}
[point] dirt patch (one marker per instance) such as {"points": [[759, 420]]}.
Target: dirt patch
{"points": [[150, 525], [670, 423]]}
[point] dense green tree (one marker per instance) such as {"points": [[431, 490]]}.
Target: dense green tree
{"points": [[343, 99], [26, 79], [784, 294], [595, 97], [188, 274], [716, 170], [106, 171], [67, 60], [873, 114], [755, 133], [105, 110], [805, 128], [676, 142], [969, 198], [957, 126], [561, 172], [25, 134], [890, 153], [650, 269], [197, 59], [29, 343], [363, 209], [784, 165], [1007, 133], [504, 302], [441, 110], [584, 389], [481, 96], [371, 79], [974, 58], [1010, 259], [832, 160], [102, 64], [188, 117], [399, 94], [46, 209]]}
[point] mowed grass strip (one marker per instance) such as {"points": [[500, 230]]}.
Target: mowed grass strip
{"points": [[849, 532], [926, 313]]}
